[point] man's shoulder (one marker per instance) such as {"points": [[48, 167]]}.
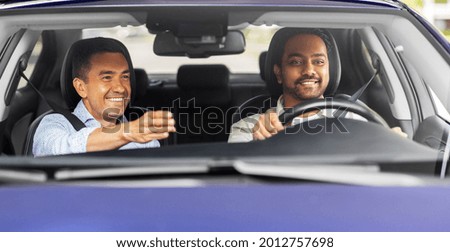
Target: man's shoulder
{"points": [[354, 116], [54, 119]]}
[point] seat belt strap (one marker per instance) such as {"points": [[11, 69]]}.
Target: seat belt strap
{"points": [[357, 94], [75, 121]]}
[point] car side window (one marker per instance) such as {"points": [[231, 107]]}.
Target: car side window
{"points": [[441, 111], [32, 62]]}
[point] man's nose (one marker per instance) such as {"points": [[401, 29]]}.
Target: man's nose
{"points": [[118, 85], [308, 69]]}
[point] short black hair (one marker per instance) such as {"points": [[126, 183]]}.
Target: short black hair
{"points": [[84, 49], [282, 36]]}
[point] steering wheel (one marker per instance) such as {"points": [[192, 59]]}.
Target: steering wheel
{"points": [[339, 104]]}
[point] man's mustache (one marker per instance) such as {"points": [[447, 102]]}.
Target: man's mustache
{"points": [[308, 77]]}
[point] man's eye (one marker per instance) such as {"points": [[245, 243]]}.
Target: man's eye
{"points": [[127, 77], [295, 62], [106, 77], [319, 62]]}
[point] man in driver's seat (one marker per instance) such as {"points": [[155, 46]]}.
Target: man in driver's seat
{"points": [[302, 69], [101, 76]]}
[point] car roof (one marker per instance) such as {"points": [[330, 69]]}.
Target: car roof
{"points": [[13, 4]]}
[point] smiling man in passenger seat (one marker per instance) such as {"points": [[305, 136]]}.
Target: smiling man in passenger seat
{"points": [[302, 68], [101, 76]]}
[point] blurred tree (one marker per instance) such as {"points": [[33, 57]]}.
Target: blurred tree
{"points": [[418, 6]]}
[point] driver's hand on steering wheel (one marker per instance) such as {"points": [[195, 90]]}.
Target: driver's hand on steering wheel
{"points": [[267, 125]]}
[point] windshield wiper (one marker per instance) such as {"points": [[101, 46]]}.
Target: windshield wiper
{"points": [[14, 175], [367, 175], [154, 169], [81, 167]]}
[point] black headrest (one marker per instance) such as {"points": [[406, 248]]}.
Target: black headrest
{"points": [[276, 49], [90, 46], [203, 76], [141, 82], [208, 84]]}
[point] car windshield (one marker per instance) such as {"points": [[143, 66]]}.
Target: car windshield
{"points": [[353, 93]]}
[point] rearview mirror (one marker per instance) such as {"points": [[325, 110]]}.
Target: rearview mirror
{"points": [[167, 44]]}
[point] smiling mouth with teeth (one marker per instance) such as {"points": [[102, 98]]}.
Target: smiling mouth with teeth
{"points": [[308, 82], [119, 99]]}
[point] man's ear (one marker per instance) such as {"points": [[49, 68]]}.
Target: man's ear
{"points": [[277, 72], [80, 87]]}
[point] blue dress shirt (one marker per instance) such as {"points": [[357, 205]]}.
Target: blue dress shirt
{"points": [[55, 135]]}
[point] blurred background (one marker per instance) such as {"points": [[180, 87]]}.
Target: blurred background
{"points": [[436, 11]]}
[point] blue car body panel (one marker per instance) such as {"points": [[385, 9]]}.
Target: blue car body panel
{"points": [[309, 207]]}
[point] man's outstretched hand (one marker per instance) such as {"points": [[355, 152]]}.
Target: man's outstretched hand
{"points": [[153, 125]]}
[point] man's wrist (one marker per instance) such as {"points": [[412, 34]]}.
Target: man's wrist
{"points": [[117, 131]]}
